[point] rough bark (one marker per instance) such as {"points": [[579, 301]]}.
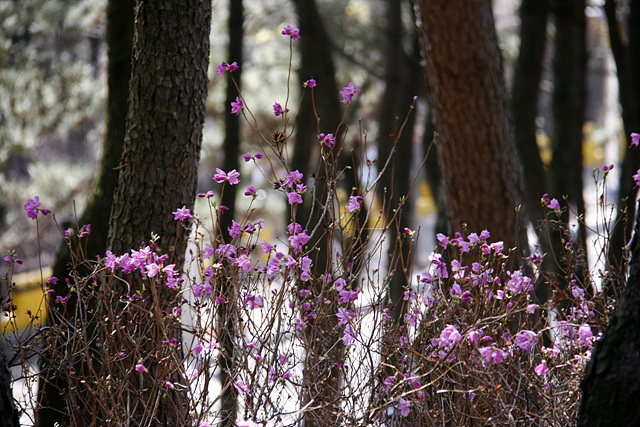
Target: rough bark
{"points": [[158, 170], [119, 38], [231, 147], [164, 124], [481, 172], [8, 411], [611, 386]]}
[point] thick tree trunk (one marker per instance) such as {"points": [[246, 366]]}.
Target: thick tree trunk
{"points": [[481, 171], [611, 386], [119, 37], [158, 171], [8, 411]]}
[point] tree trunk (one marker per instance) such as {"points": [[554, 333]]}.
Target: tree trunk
{"points": [[231, 147], [9, 413], [119, 37], [568, 106], [627, 58], [322, 376], [158, 171], [402, 80], [524, 101], [482, 175], [611, 386]]}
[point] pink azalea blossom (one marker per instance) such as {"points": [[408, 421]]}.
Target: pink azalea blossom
{"points": [[290, 31], [226, 67], [181, 214], [554, 204], [310, 83], [635, 139], [526, 340], [237, 106], [354, 203], [541, 369], [348, 92]]}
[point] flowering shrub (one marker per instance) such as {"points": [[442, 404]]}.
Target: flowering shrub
{"points": [[471, 345]]}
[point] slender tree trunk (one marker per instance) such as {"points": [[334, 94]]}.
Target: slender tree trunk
{"points": [[524, 101], [402, 80], [481, 171], [568, 104], [611, 386], [626, 54], [322, 377], [119, 37], [231, 147]]}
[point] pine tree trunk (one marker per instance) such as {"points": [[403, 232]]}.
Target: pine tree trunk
{"points": [[611, 386], [481, 171]]}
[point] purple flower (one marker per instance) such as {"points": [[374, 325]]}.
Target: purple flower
{"points": [[222, 176], [290, 31], [11, 259], [181, 214], [226, 67], [237, 106], [636, 178], [32, 207], [541, 369], [443, 240], [635, 139], [585, 335], [141, 368], [354, 203], [554, 204], [291, 178], [526, 340], [251, 191], [328, 139], [277, 109], [310, 83], [241, 387], [253, 301], [348, 92], [247, 423], [344, 315], [403, 406], [294, 197], [607, 168]]}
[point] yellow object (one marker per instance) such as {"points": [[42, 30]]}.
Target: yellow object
{"points": [[29, 301]]}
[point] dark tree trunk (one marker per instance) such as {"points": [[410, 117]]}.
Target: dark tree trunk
{"points": [[231, 147], [568, 105], [402, 81], [627, 59], [611, 386], [119, 37], [158, 171], [8, 411], [481, 171], [321, 376], [524, 101]]}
